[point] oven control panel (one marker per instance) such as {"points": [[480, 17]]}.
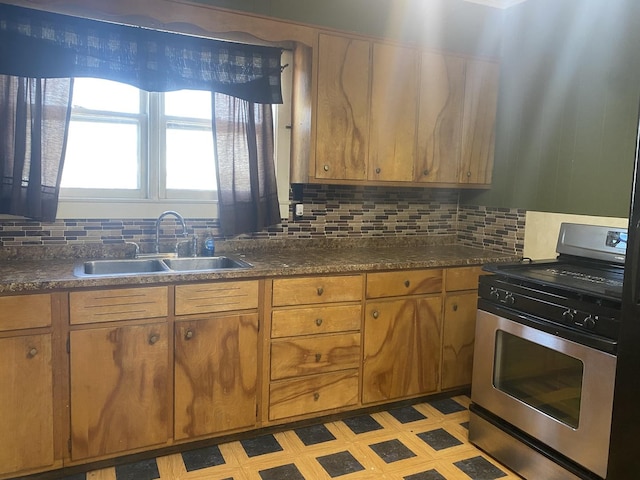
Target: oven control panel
{"points": [[596, 318]]}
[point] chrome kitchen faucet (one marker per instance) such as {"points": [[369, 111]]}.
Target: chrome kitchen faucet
{"points": [[162, 215]]}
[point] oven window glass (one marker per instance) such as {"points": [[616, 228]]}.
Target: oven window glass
{"points": [[545, 379]]}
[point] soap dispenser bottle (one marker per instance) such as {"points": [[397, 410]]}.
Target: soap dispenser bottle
{"points": [[209, 246]]}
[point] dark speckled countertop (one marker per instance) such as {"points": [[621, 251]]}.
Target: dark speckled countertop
{"points": [[42, 268]]}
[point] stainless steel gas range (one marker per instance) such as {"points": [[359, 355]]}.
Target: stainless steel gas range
{"points": [[545, 357]]}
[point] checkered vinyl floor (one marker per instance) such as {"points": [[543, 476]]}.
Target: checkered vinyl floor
{"points": [[426, 441]]}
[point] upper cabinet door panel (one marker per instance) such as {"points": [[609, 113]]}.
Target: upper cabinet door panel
{"points": [[342, 108], [478, 127], [394, 113], [440, 118]]}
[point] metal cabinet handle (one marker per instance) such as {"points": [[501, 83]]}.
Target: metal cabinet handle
{"points": [[375, 314], [318, 321], [469, 173], [378, 170], [153, 339], [318, 357], [188, 335], [407, 283], [32, 352], [316, 396], [455, 307], [425, 173], [326, 168], [320, 291]]}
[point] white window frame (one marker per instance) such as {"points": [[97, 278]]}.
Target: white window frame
{"points": [[73, 206]]}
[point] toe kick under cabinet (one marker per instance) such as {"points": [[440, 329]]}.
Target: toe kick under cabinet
{"points": [[314, 345]]}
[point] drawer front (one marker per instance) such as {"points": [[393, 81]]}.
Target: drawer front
{"points": [[216, 297], [321, 354], [322, 289], [25, 311], [463, 278], [406, 282], [308, 321], [118, 304], [313, 394]]}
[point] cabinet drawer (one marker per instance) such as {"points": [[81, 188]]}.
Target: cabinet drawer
{"points": [[405, 282], [25, 311], [319, 354], [118, 304], [307, 321], [216, 297], [463, 278], [313, 394], [310, 290]]}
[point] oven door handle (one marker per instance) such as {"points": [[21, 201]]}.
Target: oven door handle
{"points": [[633, 270]]}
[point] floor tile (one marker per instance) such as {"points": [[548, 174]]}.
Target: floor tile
{"points": [[406, 414], [314, 434], [261, 445], [479, 468], [202, 458], [447, 406], [341, 463], [439, 439], [362, 424], [392, 451], [432, 474], [144, 470], [283, 472]]}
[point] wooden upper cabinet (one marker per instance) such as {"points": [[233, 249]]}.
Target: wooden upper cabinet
{"points": [[440, 118], [342, 134], [394, 113], [478, 122]]}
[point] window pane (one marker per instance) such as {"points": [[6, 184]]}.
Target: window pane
{"points": [[190, 160], [188, 103], [98, 94], [101, 155]]}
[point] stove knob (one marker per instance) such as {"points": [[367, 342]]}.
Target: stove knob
{"points": [[509, 299], [589, 323], [568, 316], [494, 294]]}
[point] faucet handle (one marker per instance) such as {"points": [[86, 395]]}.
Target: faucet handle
{"points": [[136, 248]]}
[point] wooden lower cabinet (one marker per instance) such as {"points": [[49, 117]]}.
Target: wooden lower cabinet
{"points": [[458, 338], [26, 404], [401, 348], [216, 375], [119, 389]]}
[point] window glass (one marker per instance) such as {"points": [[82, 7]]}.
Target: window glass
{"points": [[188, 103], [105, 95], [190, 159]]}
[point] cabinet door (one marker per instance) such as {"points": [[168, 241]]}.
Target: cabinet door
{"points": [[401, 348], [394, 113], [216, 373], [458, 338], [342, 132], [440, 118], [478, 123], [119, 389], [26, 403]]}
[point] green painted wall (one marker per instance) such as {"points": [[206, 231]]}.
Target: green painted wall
{"points": [[568, 107], [569, 92]]}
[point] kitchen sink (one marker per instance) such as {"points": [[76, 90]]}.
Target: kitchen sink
{"points": [[139, 266], [204, 263]]}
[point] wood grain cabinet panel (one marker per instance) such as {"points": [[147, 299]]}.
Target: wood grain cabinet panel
{"points": [[95, 306], [318, 354], [463, 278], [216, 297], [315, 320], [404, 282], [216, 374], [312, 394], [119, 389], [19, 312], [26, 404], [401, 348], [342, 112], [458, 338], [320, 289]]}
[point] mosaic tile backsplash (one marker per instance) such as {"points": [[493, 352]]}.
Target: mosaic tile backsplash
{"points": [[332, 211]]}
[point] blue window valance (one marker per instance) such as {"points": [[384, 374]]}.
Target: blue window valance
{"points": [[38, 44]]}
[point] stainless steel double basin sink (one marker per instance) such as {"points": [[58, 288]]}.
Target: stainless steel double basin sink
{"points": [[138, 266]]}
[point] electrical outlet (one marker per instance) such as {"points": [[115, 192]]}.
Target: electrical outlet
{"points": [[299, 210]]}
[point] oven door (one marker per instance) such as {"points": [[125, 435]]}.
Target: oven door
{"points": [[558, 391]]}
